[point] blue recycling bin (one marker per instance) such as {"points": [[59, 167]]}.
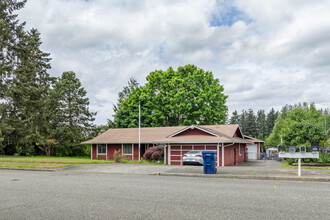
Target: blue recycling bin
{"points": [[209, 157]]}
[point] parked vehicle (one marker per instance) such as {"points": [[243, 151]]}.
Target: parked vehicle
{"points": [[193, 157]]}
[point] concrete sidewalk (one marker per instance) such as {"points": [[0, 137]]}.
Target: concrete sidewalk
{"points": [[263, 170]]}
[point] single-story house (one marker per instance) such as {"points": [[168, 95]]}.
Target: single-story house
{"points": [[255, 149], [227, 140]]}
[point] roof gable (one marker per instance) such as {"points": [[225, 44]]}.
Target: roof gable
{"points": [[193, 130], [238, 133]]}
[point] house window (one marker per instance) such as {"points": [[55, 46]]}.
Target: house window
{"points": [[101, 149], [239, 149], [127, 149]]}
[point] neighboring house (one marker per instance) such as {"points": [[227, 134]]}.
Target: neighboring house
{"points": [[255, 149], [227, 140]]}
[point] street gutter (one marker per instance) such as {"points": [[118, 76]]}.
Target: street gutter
{"points": [[254, 177]]}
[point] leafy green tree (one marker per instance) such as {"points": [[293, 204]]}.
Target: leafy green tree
{"points": [[125, 93], [186, 96], [72, 120], [262, 128], [298, 125]]}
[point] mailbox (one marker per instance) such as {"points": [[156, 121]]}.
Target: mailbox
{"points": [[302, 149], [292, 148], [315, 147], [281, 148]]}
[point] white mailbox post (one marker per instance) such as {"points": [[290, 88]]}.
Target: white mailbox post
{"points": [[299, 155]]}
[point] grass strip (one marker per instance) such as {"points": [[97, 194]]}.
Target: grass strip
{"points": [[288, 166], [142, 161], [34, 165], [58, 160]]}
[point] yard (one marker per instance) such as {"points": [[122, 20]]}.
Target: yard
{"points": [[44, 162], [304, 166]]}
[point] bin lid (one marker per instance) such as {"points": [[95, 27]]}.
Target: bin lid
{"points": [[209, 152]]}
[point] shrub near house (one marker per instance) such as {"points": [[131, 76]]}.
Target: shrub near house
{"points": [[154, 153]]}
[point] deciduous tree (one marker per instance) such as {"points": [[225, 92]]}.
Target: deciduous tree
{"points": [[125, 93], [298, 125], [185, 96]]}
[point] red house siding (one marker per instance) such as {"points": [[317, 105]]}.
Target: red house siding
{"points": [[230, 159], [175, 152], [174, 156], [193, 132], [111, 150], [136, 152], [94, 151]]}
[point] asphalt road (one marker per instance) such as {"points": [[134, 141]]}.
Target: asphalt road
{"points": [[74, 195]]}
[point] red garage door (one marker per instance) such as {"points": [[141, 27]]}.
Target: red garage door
{"points": [[177, 151]]}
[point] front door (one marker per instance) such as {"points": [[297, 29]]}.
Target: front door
{"points": [[144, 148]]}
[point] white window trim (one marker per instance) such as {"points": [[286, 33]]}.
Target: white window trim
{"points": [[240, 150], [122, 150], [106, 150]]}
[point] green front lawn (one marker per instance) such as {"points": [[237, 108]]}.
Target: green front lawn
{"points": [[59, 160], [287, 165], [44, 162], [34, 165]]}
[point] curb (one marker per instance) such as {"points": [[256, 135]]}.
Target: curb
{"points": [[254, 177], [27, 169]]}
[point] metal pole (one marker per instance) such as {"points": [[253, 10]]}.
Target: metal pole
{"points": [[139, 131], [325, 121], [222, 156], [299, 166], [218, 155]]}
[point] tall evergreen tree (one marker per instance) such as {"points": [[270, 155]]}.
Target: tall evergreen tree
{"points": [[234, 118], [24, 82], [10, 30], [242, 121], [28, 95], [250, 124], [271, 118], [262, 129], [72, 118]]}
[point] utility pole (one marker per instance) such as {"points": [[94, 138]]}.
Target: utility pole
{"points": [[325, 121], [139, 130]]}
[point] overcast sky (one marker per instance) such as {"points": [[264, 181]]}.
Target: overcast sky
{"points": [[265, 53]]}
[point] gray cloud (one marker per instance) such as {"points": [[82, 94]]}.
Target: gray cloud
{"points": [[268, 54]]}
